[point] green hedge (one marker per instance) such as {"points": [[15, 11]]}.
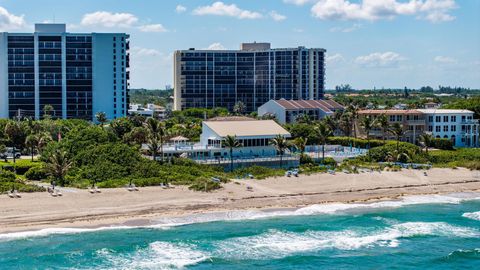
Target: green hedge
{"points": [[349, 141], [36, 173], [443, 144], [8, 182], [22, 165]]}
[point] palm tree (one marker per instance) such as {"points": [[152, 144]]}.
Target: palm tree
{"points": [[43, 139], [368, 123], [31, 142], [346, 123], [300, 143], [382, 122], [231, 142], [239, 108], [426, 141], [331, 122], [14, 132], [47, 110], [155, 136], [281, 145], [101, 118], [397, 131], [323, 132], [353, 110], [58, 165]]}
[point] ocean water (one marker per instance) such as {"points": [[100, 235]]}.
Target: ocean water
{"points": [[418, 232]]}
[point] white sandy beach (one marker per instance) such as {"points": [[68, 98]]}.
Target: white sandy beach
{"points": [[79, 208]]}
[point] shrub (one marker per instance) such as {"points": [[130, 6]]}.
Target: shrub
{"points": [[204, 185], [36, 173], [306, 159], [258, 172], [21, 165], [383, 153], [349, 141], [443, 144]]}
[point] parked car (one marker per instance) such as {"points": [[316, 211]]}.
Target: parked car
{"points": [[9, 153]]}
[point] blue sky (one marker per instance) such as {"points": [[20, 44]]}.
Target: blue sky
{"points": [[370, 43]]}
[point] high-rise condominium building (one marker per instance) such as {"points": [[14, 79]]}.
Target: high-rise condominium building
{"points": [[254, 75], [77, 74]]}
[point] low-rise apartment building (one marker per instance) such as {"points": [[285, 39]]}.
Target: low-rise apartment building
{"points": [[457, 125], [412, 121]]}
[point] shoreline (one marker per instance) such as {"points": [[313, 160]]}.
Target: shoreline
{"points": [[117, 207]]}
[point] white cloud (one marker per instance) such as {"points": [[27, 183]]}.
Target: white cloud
{"points": [[9, 21], [139, 51], [108, 19], [378, 59], [276, 16], [445, 60], [158, 28], [298, 30], [352, 28], [180, 9], [216, 46], [221, 9], [298, 2], [371, 10], [335, 58]]}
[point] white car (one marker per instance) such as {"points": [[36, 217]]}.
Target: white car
{"points": [[9, 153]]}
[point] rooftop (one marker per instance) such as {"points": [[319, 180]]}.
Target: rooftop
{"points": [[246, 128], [449, 111], [325, 105], [387, 112]]}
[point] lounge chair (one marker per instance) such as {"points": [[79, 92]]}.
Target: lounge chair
{"points": [[162, 185], [11, 195], [54, 193], [59, 193], [16, 194], [91, 190], [96, 190], [130, 188], [332, 172]]}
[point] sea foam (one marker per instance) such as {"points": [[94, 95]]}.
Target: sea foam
{"points": [[472, 215], [157, 255], [277, 244], [318, 209]]}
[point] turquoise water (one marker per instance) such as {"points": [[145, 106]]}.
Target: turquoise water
{"points": [[423, 232]]}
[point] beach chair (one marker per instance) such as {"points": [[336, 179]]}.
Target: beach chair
{"points": [[130, 188], [11, 195], [288, 173], [16, 194], [162, 185], [97, 190], [91, 190], [332, 172], [54, 193]]}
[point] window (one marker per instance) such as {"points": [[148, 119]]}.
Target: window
{"points": [[445, 118], [399, 118], [453, 118], [430, 128], [392, 118], [445, 128], [453, 128], [437, 129], [430, 118], [438, 119]]}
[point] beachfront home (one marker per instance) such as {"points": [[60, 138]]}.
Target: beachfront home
{"points": [[412, 121], [289, 111], [456, 125], [254, 135]]}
